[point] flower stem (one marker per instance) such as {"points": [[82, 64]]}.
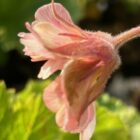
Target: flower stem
{"points": [[126, 36]]}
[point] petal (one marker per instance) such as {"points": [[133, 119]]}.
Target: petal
{"points": [[61, 117], [86, 134], [46, 13], [53, 96], [55, 101], [84, 81], [79, 79], [106, 70], [80, 49], [90, 47], [50, 35], [81, 123], [58, 16], [33, 47], [50, 67], [70, 124]]}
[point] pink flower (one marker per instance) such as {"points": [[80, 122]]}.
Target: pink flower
{"points": [[86, 59]]}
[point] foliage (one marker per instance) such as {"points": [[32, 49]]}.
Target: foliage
{"points": [[23, 116]]}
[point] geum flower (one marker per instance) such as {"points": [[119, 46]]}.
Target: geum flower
{"points": [[86, 59]]}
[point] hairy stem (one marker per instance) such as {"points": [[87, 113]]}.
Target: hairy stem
{"points": [[126, 36]]}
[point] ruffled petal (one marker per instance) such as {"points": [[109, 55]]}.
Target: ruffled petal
{"points": [[66, 121], [106, 71], [46, 13], [91, 47], [34, 48], [78, 49], [81, 123], [59, 17], [61, 118], [79, 79], [49, 34], [53, 95], [50, 67], [86, 134]]}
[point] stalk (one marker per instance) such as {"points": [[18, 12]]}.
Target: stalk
{"points": [[126, 36]]}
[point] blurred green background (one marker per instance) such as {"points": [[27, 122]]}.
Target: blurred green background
{"points": [[22, 113]]}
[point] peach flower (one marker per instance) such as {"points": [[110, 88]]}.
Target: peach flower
{"points": [[86, 60]]}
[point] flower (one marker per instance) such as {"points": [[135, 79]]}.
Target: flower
{"points": [[86, 60]]}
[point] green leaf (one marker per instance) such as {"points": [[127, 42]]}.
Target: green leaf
{"points": [[109, 125], [23, 115]]}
